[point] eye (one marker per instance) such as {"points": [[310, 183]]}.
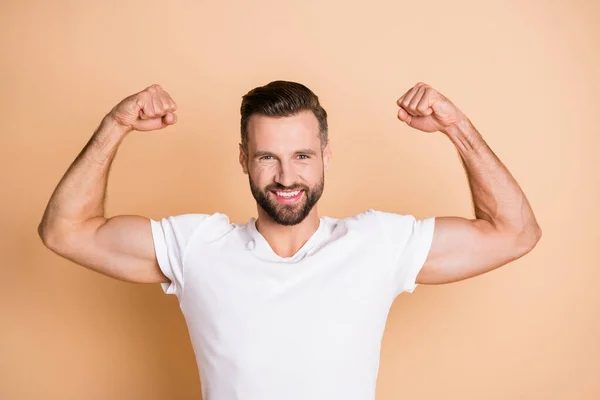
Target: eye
{"points": [[304, 155], [264, 157]]}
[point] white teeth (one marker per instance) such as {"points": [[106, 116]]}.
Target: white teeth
{"points": [[288, 194]]}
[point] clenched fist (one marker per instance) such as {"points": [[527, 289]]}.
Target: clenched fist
{"points": [[424, 108], [148, 110]]}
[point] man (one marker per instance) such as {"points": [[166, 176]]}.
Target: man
{"points": [[291, 305]]}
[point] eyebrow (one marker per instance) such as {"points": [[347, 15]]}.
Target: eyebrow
{"points": [[261, 153]]}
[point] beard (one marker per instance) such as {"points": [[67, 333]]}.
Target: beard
{"points": [[287, 214]]}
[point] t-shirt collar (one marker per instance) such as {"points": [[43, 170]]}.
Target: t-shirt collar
{"points": [[257, 243]]}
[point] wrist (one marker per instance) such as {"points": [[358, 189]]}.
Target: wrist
{"points": [[107, 138], [110, 124], [464, 135], [461, 128]]}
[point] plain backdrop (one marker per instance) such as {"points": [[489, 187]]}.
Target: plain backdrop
{"points": [[526, 74]]}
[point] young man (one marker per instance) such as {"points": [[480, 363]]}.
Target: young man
{"points": [[291, 305]]}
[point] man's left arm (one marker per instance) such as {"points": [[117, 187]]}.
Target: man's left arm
{"points": [[504, 228]]}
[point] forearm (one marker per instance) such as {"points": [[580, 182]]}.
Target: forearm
{"points": [[81, 192], [497, 197]]}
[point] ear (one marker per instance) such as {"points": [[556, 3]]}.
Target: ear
{"points": [[327, 155], [243, 160]]}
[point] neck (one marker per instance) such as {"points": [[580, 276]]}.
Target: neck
{"points": [[287, 240]]}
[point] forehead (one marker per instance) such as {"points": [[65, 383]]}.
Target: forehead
{"points": [[283, 134]]}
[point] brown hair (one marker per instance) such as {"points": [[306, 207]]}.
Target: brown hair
{"points": [[281, 99]]}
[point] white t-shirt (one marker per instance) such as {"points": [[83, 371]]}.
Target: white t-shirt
{"points": [[306, 327]]}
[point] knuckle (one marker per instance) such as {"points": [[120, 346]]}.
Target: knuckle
{"points": [[142, 100]]}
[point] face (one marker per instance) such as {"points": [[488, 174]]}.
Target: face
{"points": [[285, 165]]}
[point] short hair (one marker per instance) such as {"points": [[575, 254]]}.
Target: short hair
{"points": [[281, 99]]}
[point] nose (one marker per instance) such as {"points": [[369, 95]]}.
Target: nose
{"points": [[286, 174]]}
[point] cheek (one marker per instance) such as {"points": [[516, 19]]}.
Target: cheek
{"points": [[261, 175], [314, 173], [309, 174]]}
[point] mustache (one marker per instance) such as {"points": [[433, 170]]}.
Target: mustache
{"points": [[280, 187]]}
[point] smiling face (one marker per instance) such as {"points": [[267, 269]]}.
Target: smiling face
{"points": [[285, 165]]}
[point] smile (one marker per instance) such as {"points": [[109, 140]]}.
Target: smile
{"points": [[288, 197]]}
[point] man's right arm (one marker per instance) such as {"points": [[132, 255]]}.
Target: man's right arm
{"points": [[74, 223]]}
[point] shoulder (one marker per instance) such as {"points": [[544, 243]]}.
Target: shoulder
{"points": [[389, 224], [206, 227], [366, 224], [379, 219]]}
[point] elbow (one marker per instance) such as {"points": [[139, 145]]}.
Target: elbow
{"points": [[63, 237], [527, 239], [43, 233], [50, 237]]}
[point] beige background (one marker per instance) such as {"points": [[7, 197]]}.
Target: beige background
{"points": [[526, 73]]}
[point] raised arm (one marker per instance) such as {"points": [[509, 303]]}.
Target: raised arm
{"points": [[74, 224], [504, 227]]}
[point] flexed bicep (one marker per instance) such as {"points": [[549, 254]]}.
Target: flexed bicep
{"points": [[462, 248]]}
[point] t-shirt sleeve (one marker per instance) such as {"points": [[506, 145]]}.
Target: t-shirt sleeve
{"points": [[410, 240], [172, 236]]}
